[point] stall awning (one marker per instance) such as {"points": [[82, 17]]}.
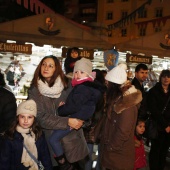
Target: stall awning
{"points": [[52, 29], [157, 44]]}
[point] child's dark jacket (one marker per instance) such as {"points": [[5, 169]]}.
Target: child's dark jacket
{"points": [[82, 100], [11, 153]]}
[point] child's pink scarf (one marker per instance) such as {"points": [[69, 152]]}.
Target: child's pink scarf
{"points": [[75, 82]]}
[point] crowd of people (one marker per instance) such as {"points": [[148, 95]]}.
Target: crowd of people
{"points": [[49, 129]]}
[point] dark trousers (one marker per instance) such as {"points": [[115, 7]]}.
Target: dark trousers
{"points": [[158, 151]]}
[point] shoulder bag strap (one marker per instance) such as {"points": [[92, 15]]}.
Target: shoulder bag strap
{"points": [[30, 154], [165, 105]]}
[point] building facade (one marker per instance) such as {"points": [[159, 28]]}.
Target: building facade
{"points": [[133, 19]]}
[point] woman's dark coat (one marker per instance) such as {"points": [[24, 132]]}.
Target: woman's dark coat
{"points": [[8, 108], [11, 153], [156, 103]]}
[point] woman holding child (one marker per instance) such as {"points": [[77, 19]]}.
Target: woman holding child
{"points": [[48, 88]]}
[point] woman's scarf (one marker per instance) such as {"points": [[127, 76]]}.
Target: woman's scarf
{"points": [[54, 91], [29, 141]]}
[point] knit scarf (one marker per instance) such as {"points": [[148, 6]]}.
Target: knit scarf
{"points": [[75, 82], [29, 141], [54, 91]]}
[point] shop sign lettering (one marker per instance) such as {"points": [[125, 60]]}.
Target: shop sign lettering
{"points": [[83, 53], [16, 48], [132, 58]]}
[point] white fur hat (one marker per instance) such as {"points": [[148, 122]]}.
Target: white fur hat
{"points": [[84, 65], [118, 74], [27, 107]]}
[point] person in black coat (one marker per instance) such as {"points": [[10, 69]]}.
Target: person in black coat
{"points": [[8, 106], [141, 74], [157, 100], [24, 136], [80, 104]]}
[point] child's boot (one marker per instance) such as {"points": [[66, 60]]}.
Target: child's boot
{"points": [[63, 163]]}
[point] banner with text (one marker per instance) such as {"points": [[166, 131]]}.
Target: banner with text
{"points": [[83, 53], [16, 48], [132, 58]]}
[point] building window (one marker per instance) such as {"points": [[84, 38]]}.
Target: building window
{"points": [[109, 15], [158, 29], [159, 12], [88, 12], [110, 1], [142, 14], [142, 32], [124, 14], [124, 32]]}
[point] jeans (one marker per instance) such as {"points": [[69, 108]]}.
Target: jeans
{"points": [[55, 140]]}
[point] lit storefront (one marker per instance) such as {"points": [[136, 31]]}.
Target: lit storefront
{"points": [[29, 39]]}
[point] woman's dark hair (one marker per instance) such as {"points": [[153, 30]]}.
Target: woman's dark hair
{"points": [[99, 76], [113, 93], [164, 73], [58, 72], [36, 128]]}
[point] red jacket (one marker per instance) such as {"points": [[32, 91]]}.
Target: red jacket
{"points": [[140, 156]]}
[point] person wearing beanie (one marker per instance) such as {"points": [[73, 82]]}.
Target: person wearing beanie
{"points": [[24, 136], [122, 103], [81, 103]]}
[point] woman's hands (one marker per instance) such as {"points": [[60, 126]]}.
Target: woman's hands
{"points": [[75, 123]]}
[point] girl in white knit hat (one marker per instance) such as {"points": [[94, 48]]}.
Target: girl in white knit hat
{"points": [[81, 104], [24, 137]]}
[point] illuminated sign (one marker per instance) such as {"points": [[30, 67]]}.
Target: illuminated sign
{"points": [[132, 58], [83, 53], [16, 48]]}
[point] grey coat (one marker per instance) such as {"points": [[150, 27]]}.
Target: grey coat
{"points": [[74, 144]]}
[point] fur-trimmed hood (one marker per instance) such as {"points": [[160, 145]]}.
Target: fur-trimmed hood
{"points": [[128, 101]]}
